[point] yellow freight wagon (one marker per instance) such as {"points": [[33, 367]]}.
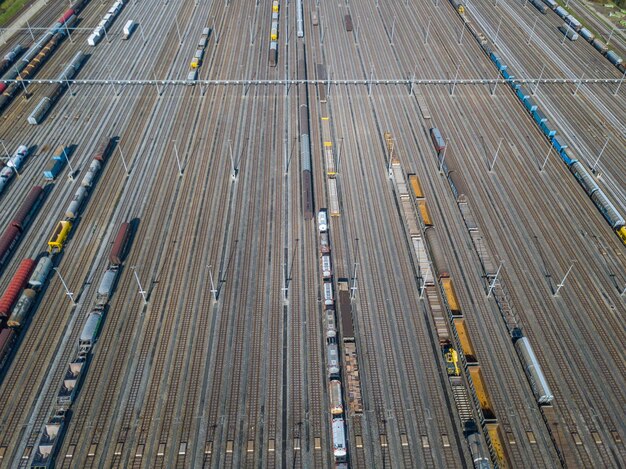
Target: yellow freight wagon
{"points": [[417, 187], [481, 392], [464, 338], [498, 444], [448, 288], [425, 212]]}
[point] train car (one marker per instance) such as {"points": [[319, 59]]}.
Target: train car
{"points": [[53, 169], [334, 391], [7, 337], [17, 283], [71, 382], [538, 381], [17, 160], [614, 58], [479, 452], [118, 251], [92, 173], [607, 209], [105, 289], [40, 111], [551, 4], [539, 6], [275, 6], [28, 208], [452, 360], [49, 442], [562, 12], [326, 267], [587, 35], [8, 240], [340, 450], [330, 324], [333, 359], [22, 308], [348, 22], [573, 23], [424, 212], [569, 32], [622, 234], [324, 243], [59, 236], [328, 294], [103, 150], [73, 210], [599, 46], [274, 31], [566, 157], [558, 146], [416, 186], [437, 139], [129, 27], [438, 257], [451, 299], [584, 178], [41, 272], [89, 333], [322, 221], [273, 54]]}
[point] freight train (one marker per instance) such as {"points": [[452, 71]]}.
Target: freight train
{"points": [[588, 183], [36, 55], [572, 23], [333, 362], [62, 231], [76, 369]]}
